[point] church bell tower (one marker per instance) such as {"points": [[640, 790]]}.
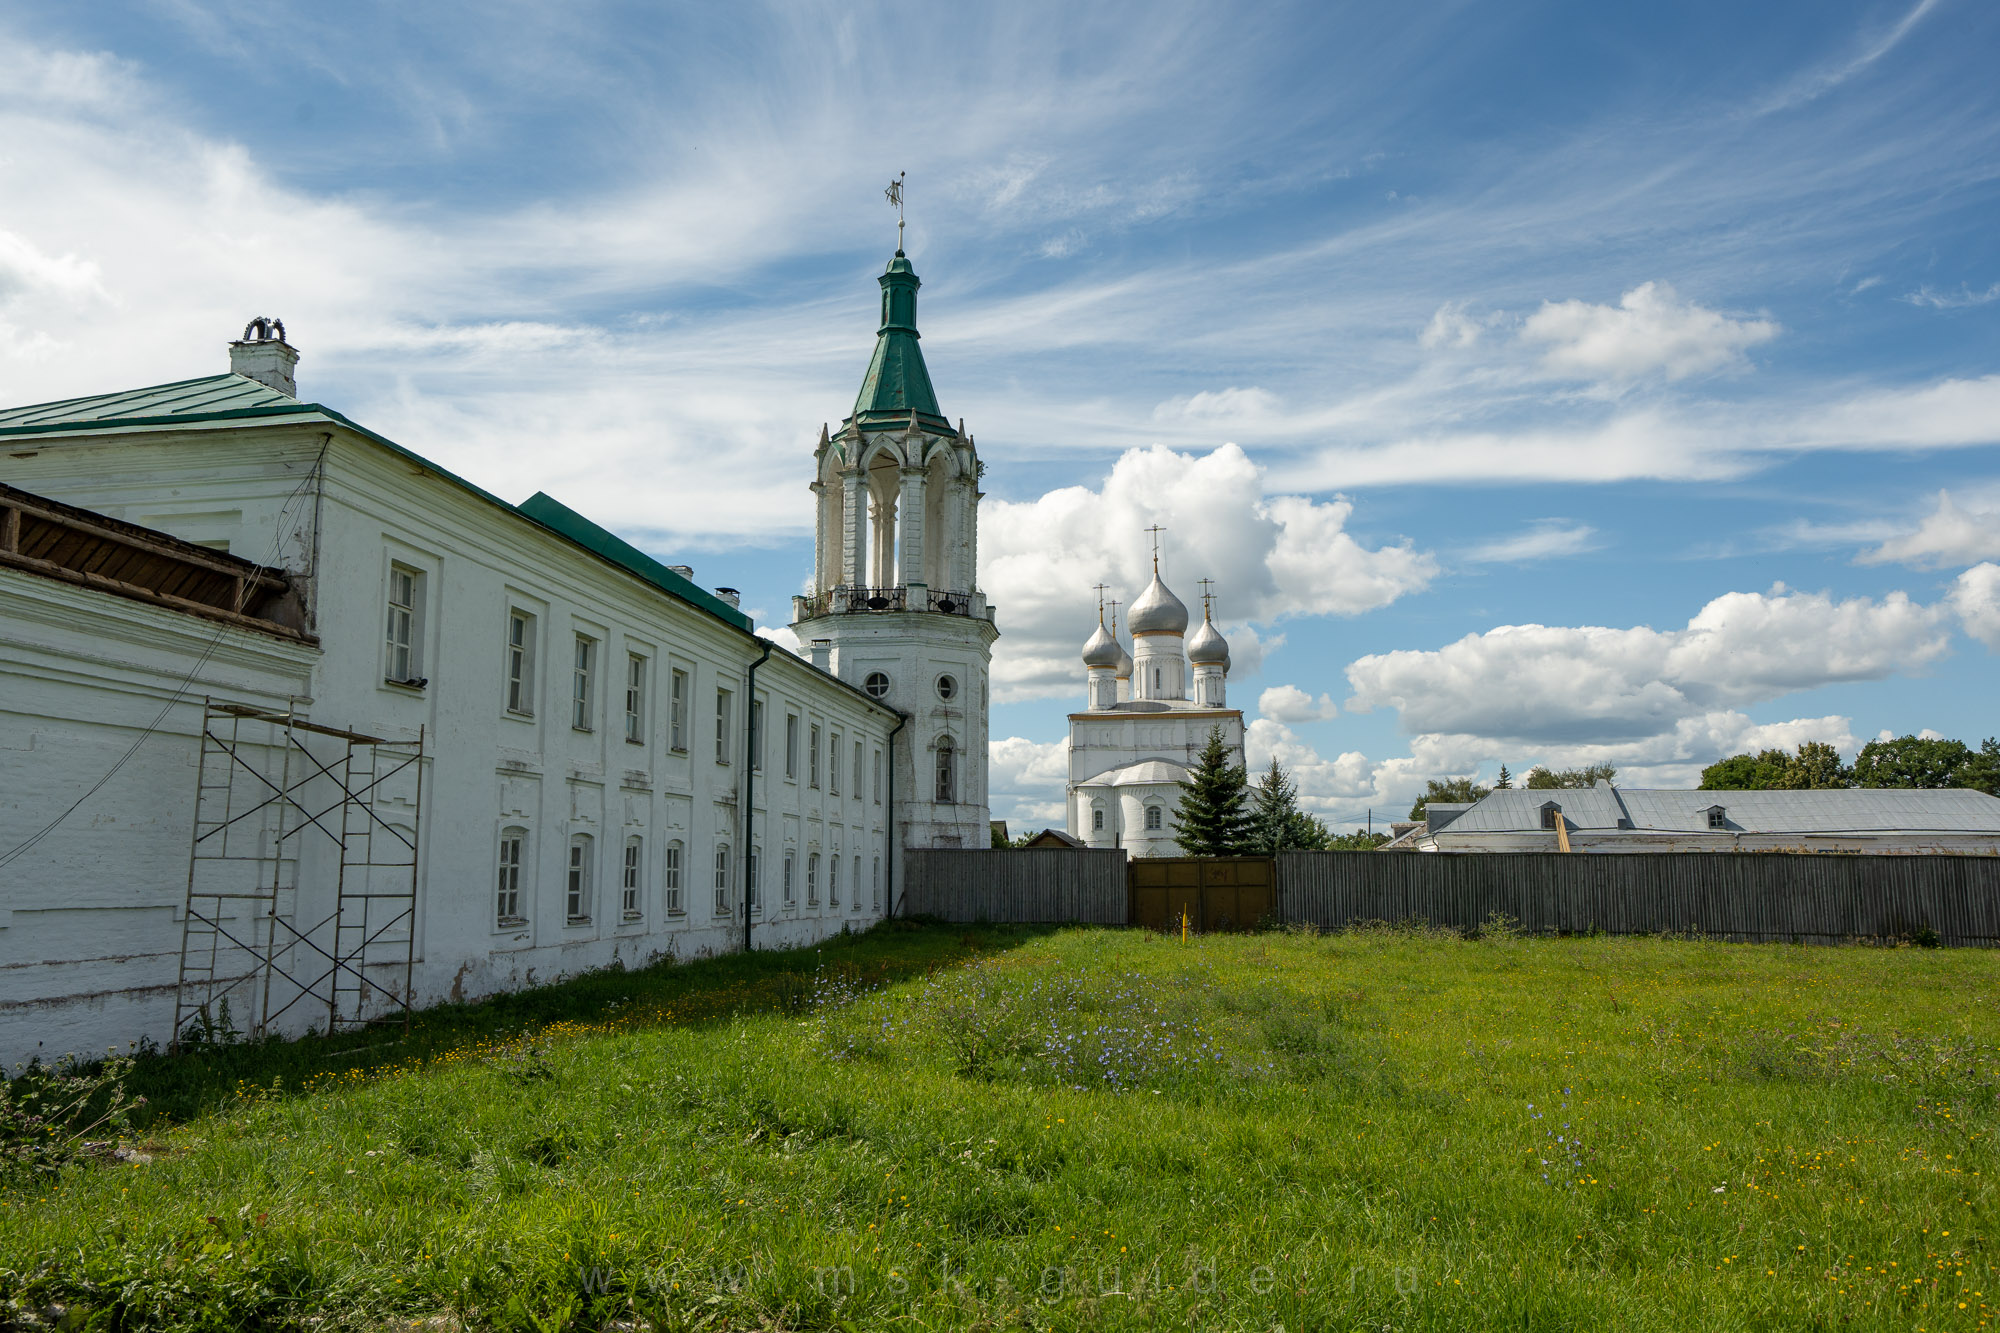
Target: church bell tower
{"points": [[893, 608]]}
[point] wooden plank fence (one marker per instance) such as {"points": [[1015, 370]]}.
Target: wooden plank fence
{"points": [[1741, 896], [1020, 885]]}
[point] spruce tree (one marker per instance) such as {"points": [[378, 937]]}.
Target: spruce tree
{"points": [[1274, 812], [1211, 820]]}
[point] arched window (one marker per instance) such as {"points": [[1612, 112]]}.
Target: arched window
{"points": [[512, 840], [1152, 817], [722, 879], [577, 902], [673, 877], [947, 772], [635, 858]]}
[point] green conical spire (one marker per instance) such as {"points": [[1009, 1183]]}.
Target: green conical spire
{"points": [[897, 384]]}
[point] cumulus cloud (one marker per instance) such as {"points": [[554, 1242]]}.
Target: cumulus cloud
{"points": [[1651, 330], [1451, 327], [1025, 780], [1289, 703], [1271, 556], [1976, 597], [1572, 685], [1953, 534], [1544, 539]]}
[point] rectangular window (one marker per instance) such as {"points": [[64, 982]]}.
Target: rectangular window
{"points": [[812, 757], [677, 720], [833, 879], [812, 880], [757, 735], [576, 905], [722, 879], [878, 777], [833, 764], [582, 706], [509, 907], [401, 664], [634, 858], [635, 698], [673, 878], [722, 726], [521, 663], [792, 746], [877, 896], [857, 770], [789, 858], [750, 903], [854, 897]]}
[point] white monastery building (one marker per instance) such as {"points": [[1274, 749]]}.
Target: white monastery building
{"points": [[295, 721], [1146, 720]]}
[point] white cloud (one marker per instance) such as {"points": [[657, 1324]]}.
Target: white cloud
{"points": [[1271, 557], [1450, 326], [1545, 539], [1957, 300], [1591, 684], [1289, 703], [1649, 330], [1025, 780], [1975, 595], [1950, 535], [1219, 405]]}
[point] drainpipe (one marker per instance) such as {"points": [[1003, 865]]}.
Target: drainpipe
{"points": [[752, 742], [902, 720]]}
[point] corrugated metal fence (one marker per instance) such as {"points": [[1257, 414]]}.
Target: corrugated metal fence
{"points": [[1765, 896], [1040, 884]]}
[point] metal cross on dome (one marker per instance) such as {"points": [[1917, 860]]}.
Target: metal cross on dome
{"points": [[1156, 530], [1207, 594], [894, 194], [1101, 589]]}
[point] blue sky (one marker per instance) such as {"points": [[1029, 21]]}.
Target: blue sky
{"points": [[1540, 383]]}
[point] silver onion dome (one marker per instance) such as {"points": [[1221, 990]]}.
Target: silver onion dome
{"points": [[1157, 611], [1101, 650], [1207, 647]]}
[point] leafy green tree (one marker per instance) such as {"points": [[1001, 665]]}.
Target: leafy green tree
{"points": [[1541, 778], [1361, 840], [1452, 791], [1211, 817], [1816, 767], [1505, 782], [1981, 769], [1746, 772], [1911, 761]]}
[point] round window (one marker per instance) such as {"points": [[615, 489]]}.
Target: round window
{"points": [[877, 685], [947, 687]]}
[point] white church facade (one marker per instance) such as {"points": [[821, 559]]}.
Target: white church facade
{"points": [[1148, 714], [610, 764]]}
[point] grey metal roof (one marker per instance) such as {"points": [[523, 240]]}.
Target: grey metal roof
{"points": [[1846, 810]]}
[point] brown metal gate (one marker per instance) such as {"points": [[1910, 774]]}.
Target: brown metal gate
{"points": [[1214, 892]]}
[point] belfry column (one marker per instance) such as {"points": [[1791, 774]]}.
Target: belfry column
{"points": [[911, 511], [854, 521]]}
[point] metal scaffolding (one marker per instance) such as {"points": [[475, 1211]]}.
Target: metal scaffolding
{"points": [[275, 793]]}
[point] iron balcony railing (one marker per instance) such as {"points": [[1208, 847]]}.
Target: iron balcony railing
{"points": [[849, 599]]}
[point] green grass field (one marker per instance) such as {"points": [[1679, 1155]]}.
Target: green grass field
{"points": [[929, 1127]]}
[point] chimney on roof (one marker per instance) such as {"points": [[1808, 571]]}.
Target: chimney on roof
{"points": [[262, 354], [730, 595], [685, 571], [822, 654]]}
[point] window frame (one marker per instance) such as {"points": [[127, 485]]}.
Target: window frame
{"points": [[946, 771], [507, 885], [723, 703], [583, 684], [833, 879], [638, 670], [632, 882], [412, 617], [756, 736], [812, 756], [876, 882], [833, 763], [791, 746], [752, 864], [812, 879], [680, 687], [577, 877], [522, 638], [791, 863], [1156, 818], [670, 878], [854, 894], [725, 905], [878, 777]]}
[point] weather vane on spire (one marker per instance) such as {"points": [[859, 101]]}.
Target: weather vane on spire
{"points": [[894, 194], [1156, 530]]}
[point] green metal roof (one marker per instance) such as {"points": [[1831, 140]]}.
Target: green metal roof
{"points": [[210, 398], [560, 519], [897, 382], [233, 397]]}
